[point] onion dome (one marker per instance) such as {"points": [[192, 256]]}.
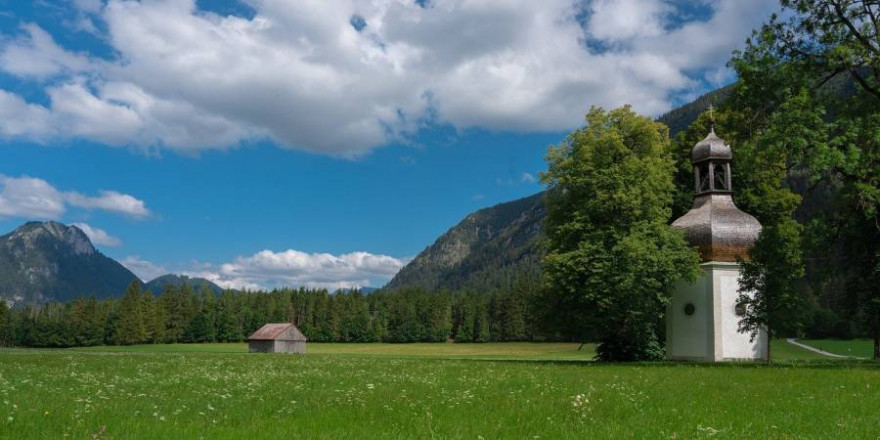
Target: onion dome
{"points": [[715, 225], [713, 147]]}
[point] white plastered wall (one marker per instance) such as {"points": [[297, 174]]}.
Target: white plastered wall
{"points": [[733, 343], [690, 337], [712, 332]]}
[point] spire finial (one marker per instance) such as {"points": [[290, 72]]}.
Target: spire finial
{"points": [[711, 118]]}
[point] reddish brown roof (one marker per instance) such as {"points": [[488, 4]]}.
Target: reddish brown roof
{"points": [[270, 332]]}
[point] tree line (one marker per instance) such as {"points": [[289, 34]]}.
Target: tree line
{"points": [[182, 314]]}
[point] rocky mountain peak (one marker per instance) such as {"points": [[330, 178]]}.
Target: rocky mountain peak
{"points": [[42, 261], [34, 235]]}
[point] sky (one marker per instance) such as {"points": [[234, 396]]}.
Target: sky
{"points": [[268, 143]]}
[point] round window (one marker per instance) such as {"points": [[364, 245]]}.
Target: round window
{"points": [[689, 309], [740, 310]]}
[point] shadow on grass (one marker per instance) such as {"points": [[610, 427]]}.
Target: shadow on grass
{"points": [[784, 364], [860, 364]]}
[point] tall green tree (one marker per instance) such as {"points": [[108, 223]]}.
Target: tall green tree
{"points": [[609, 243], [770, 282], [132, 327], [228, 322], [827, 53]]}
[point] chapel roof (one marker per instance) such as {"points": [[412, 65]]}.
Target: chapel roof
{"points": [[718, 229], [714, 225], [712, 147]]}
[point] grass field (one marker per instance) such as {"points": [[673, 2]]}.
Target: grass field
{"points": [[503, 351], [442, 391]]}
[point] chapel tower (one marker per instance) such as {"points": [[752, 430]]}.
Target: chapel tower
{"points": [[702, 320]]}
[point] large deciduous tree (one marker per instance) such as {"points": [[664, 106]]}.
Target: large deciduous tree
{"points": [[609, 244], [827, 53]]}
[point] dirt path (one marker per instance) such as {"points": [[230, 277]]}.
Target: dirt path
{"points": [[794, 342]]}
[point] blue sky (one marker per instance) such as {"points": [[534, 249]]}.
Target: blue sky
{"points": [[264, 143]]}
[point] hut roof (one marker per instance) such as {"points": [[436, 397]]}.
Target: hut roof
{"points": [[283, 331]]}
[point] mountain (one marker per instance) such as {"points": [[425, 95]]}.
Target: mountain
{"points": [[487, 249], [493, 246], [679, 118], [42, 261], [158, 284]]}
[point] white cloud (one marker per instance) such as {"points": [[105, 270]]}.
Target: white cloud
{"points": [[28, 197], [33, 198], [37, 55], [98, 236], [144, 269], [528, 178], [110, 201], [268, 269], [299, 73], [615, 20], [92, 6], [20, 119]]}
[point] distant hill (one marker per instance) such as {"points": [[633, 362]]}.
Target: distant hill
{"points": [[43, 261], [678, 119], [485, 250], [158, 284]]}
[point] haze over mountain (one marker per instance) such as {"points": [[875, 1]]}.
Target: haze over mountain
{"points": [[43, 261]]}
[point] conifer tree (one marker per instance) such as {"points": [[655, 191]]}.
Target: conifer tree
{"points": [[131, 326]]}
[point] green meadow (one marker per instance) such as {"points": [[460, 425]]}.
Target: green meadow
{"points": [[414, 391]]}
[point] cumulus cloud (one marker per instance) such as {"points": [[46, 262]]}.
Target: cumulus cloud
{"points": [[144, 269], [303, 75], [33, 198], [28, 197], [37, 55], [110, 201], [98, 236], [616, 20], [21, 119], [292, 268], [92, 6]]}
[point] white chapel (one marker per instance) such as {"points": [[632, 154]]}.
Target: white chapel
{"points": [[702, 321]]}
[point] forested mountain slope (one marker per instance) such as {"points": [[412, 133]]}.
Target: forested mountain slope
{"points": [[157, 285], [486, 250]]}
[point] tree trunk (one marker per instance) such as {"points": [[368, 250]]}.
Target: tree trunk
{"points": [[876, 343], [769, 340]]}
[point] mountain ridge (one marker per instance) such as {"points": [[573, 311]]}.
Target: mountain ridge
{"points": [[502, 238], [492, 247], [157, 285], [43, 261]]}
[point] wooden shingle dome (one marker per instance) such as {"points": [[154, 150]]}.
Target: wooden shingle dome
{"points": [[715, 225]]}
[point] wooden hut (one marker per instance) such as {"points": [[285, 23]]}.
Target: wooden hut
{"points": [[277, 338]]}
